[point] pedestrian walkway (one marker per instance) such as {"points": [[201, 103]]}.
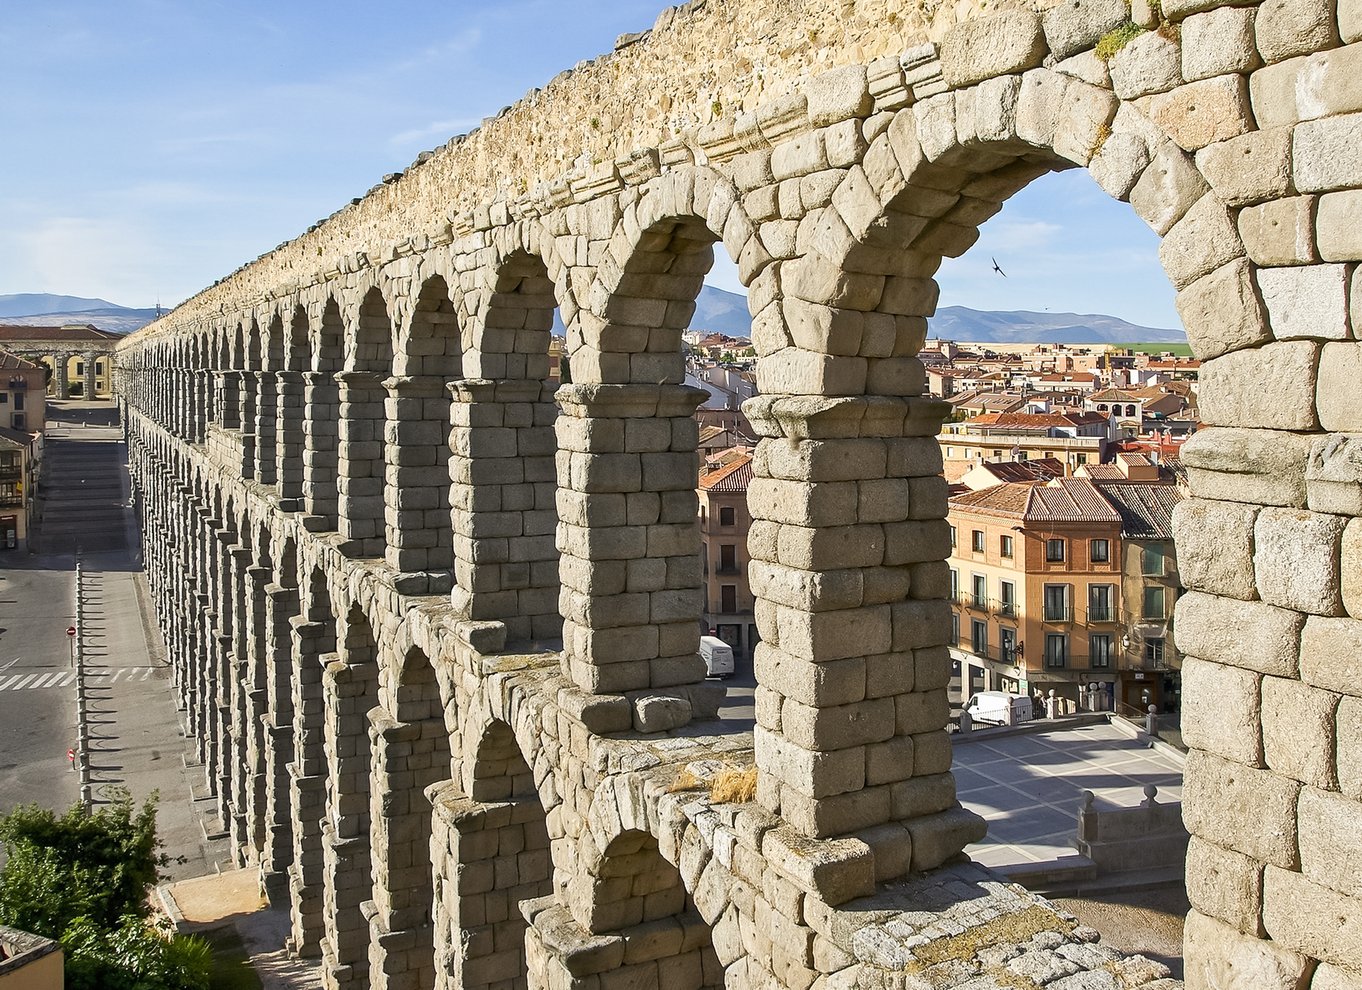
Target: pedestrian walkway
{"points": [[208, 905], [1029, 787]]}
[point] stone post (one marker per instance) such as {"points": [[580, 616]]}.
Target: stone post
{"points": [[321, 431], [479, 925], [848, 545], [631, 596], [350, 695], [60, 376], [281, 606], [207, 403], [360, 463], [227, 395], [401, 937], [290, 401], [504, 517], [416, 511], [266, 458], [256, 710], [307, 773], [250, 384]]}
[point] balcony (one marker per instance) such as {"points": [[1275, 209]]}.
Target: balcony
{"points": [[1057, 613], [11, 472], [1102, 614], [1005, 609], [11, 501]]}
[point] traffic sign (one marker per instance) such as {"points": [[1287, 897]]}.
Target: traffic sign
{"points": [[70, 630]]}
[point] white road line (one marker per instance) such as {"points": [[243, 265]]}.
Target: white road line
{"points": [[23, 682], [13, 679], [147, 673]]}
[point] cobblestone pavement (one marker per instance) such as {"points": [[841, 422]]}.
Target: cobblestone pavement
{"points": [[1148, 922]]}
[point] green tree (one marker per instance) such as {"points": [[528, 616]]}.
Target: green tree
{"points": [[98, 865], [83, 878]]}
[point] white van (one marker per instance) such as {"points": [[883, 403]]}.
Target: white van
{"points": [[999, 708], [718, 657]]}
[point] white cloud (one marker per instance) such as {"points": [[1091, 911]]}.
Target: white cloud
{"points": [[1018, 235]]}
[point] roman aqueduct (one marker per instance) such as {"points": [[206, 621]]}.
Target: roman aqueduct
{"points": [[434, 624]]}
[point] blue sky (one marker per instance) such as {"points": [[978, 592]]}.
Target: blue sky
{"points": [[152, 146]]}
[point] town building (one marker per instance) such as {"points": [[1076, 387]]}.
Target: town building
{"points": [[23, 393], [1073, 438], [1145, 495], [23, 414], [80, 356], [724, 524], [1072, 582]]}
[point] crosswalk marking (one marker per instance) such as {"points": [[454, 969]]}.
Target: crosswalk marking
{"points": [[66, 678]]}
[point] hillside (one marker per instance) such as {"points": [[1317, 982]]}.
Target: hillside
{"points": [[42, 309], [726, 312]]}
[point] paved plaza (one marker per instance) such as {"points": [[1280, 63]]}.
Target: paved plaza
{"points": [[1029, 787]]}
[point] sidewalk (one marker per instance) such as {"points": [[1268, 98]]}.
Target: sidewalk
{"points": [[207, 905]]}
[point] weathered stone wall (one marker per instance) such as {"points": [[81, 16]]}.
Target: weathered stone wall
{"points": [[443, 507]]}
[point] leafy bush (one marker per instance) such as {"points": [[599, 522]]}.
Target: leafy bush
{"points": [[98, 866], [83, 879], [135, 956]]}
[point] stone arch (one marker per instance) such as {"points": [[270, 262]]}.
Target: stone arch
{"points": [[511, 334], [411, 753], [503, 492], [419, 538], [633, 893], [360, 463], [369, 345], [627, 402], [350, 686], [321, 419], [851, 323], [493, 850], [644, 294], [291, 405]]}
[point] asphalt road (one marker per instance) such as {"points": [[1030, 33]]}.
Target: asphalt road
{"points": [[37, 691], [136, 742]]}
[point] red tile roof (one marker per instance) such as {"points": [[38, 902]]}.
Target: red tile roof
{"points": [[733, 477], [1064, 500], [1036, 421], [82, 331], [13, 362]]}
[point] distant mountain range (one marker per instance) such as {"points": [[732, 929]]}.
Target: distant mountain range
{"points": [[42, 309], [726, 312], [1021, 327], [716, 310]]}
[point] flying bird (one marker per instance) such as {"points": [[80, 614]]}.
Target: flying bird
{"points": [[996, 268]]}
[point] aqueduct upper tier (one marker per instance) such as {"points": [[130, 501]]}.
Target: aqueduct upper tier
{"points": [[435, 623]]}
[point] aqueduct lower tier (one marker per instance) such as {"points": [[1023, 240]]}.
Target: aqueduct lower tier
{"points": [[435, 625]]}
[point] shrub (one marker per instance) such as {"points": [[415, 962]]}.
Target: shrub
{"points": [[135, 956], [83, 879], [98, 865]]}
